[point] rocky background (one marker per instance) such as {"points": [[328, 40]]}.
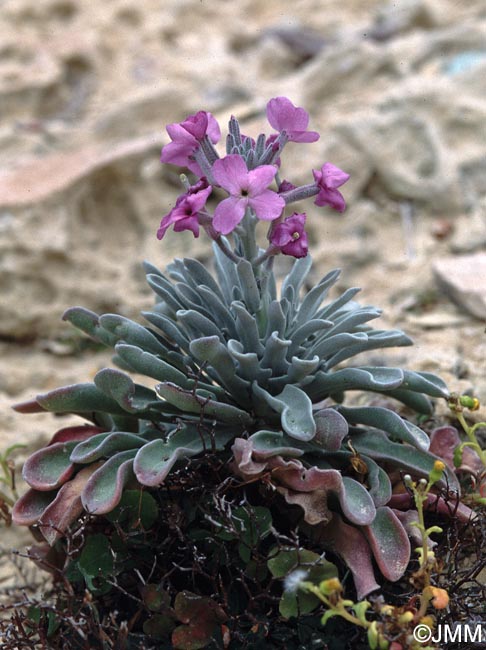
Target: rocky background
{"points": [[397, 90]]}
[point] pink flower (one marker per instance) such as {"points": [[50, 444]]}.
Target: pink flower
{"points": [[184, 215], [284, 116], [247, 189], [328, 178], [290, 235], [186, 137]]}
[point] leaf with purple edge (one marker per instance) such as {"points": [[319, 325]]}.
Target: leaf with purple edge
{"points": [[154, 460], [119, 386], [388, 421], [29, 508], [376, 479], [104, 489], [273, 443], [350, 543], [295, 409], [75, 434], [66, 507], [331, 429], [355, 500], [49, 467], [105, 445], [78, 398], [29, 406], [389, 542], [190, 402], [377, 445]]}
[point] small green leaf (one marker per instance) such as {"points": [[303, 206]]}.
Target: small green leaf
{"points": [[327, 615], [159, 626], [137, 509], [96, 561]]}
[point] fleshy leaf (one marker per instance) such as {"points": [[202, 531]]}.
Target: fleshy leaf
{"points": [[75, 434], [105, 445], [375, 379], [377, 445], [89, 322], [444, 441], [49, 467], [389, 543], [295, 409], [386, 420], [249, 286], [190, 402], [154, 461], [66, 507], [78, 398], [309, 488], [29, 508], [121, 388], [331, 429], [273, 443], [132, 333], [105, 487], [350, 543], [148, 364]]}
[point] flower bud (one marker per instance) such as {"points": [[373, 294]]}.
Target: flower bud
{"points": [[330, 586]]}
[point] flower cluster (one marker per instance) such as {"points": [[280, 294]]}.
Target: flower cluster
{"points": [[246, 174]]}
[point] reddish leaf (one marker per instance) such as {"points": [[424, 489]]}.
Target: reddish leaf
{"points": [[75, 434], [389, 543], [435, 503], [200, 616], [29, 508], [29, 406], [444, 440], [66, 507], [350, 543], [49, 467]]}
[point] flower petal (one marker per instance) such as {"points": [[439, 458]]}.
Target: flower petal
{"points": [[268, 205], [260, 178], [213, 130], [303, 136], [231, 173], [228, 214], [331, 197], [332, 176], [297, 247], [283, 115], [188, 223]]}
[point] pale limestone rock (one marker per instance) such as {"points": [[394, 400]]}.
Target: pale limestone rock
{"points": [[463, 278]]}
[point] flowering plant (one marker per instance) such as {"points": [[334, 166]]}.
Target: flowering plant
{"points": [[251, 388]]}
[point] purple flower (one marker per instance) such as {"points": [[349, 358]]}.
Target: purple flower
{"points": [[290, 235], [186, 137], [246, 189], [328, 178], [184, 215], [284, 116]]}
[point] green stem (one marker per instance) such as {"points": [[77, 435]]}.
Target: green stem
{"points": [[247, 237], [471, 434], [339, 608], [419, 502]]}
